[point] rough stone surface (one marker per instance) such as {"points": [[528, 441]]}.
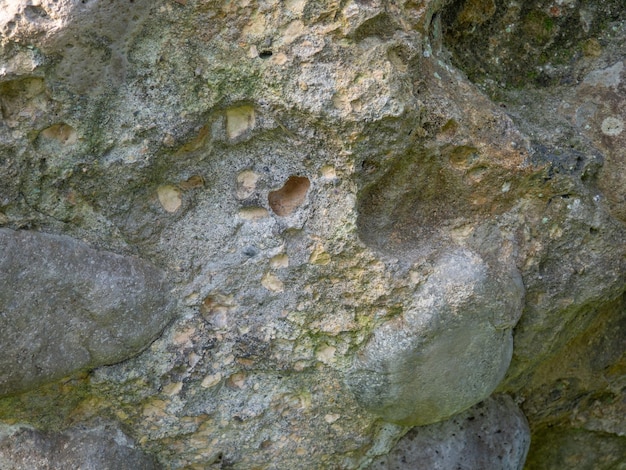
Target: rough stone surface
{"points": [[493, 434], [578, 448], [310, 174], [65, 307], [100, 447]]}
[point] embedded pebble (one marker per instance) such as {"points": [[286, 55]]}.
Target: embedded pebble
{"points": [[272, 283], [319, 256], [62, 133], [239, 120], [328, 172], [326, 354], [211, 380], [170, 197], [237, 380], [279, 261], [246, 184], [253, 213], [612, 126]]}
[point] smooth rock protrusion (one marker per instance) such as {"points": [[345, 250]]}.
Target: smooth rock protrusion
{"points": [[66, 307], [100, 447], [448, 351], [493, 435]]}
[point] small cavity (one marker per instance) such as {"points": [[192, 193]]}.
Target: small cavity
{"points": [[33, 12], [287, 199]]}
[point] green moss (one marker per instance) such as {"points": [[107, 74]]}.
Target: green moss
{"points": [[538, 26], [48, 407], [234, 83]]}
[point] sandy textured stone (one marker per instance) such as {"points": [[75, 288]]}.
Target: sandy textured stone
{"points": [[99, 447]]}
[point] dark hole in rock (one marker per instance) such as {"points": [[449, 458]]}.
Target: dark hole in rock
{"points": [[34, 12], [288, 198], [265, 54], [251, 251]]}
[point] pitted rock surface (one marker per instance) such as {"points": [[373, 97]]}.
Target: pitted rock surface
{"points": [[493, 434]]}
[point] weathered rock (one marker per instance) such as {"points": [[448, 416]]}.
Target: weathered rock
{"points": [[567, 68], [449, 350], [309, 172], [101, 447], [493, 434], [65, 307]]}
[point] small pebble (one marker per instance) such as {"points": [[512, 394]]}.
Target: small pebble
{"points": [[211, 380], [253, 213], [272, 283], [169, 197], [279, 261]]}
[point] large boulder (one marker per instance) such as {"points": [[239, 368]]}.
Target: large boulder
{"points": [[98, 447], [493, 434], [65, 307], [446, 353]]}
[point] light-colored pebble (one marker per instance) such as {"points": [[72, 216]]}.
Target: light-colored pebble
{"points": [[170, 197]]}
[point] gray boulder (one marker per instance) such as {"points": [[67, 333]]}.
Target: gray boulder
{"points": [[493, 435], [66, 307], [449, 351], [102, 447]]}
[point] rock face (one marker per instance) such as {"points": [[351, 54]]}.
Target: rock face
{"points": [[371, 216], [65, 307], [493, 434]]}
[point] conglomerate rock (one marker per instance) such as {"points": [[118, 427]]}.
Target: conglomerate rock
{"points": [[358, 204]]}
